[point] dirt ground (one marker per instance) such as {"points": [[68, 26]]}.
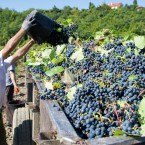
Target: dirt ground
{"points": [[7, 130]]}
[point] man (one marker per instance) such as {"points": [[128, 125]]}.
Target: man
{"points": [[6, 62], [9, 47], [11, 84], [11, 87]]}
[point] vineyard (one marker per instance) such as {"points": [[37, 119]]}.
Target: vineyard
{"points": [[98, 83]]}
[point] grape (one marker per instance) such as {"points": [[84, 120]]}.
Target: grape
{"points": [[94, 111], [91, 135]]}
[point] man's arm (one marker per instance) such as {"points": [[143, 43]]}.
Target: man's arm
{"points": [[22, 51], [13, 78], [11, 44]]}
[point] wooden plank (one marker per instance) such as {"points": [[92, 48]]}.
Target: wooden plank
{"points": [[29, 92], [39, 84], [46, 124], [36, 115], [50, 142], [35, 126], [53, 120], [29, 85], [116, 140]]}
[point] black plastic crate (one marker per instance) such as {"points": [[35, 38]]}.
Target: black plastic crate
{"points": [[43, 27]]}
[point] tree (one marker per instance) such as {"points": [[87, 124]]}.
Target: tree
{"points": [[135, 2], [91, 6], [55, 9]]}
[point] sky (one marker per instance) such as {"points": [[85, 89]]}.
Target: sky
{"points": [[22, 5]]}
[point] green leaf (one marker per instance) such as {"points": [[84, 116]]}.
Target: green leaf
{"points": [[141, 111], [105, 72], [79, 85], [71, 40], [34, 63], [59, 29], [56, 85], [69, 20], [128, 50], [121, 103], [96, 116], [126, 37], [72, 91], [139, 41], [103, 51], [58, 60], [60, 49], [54, 70], [131, 135], [66, 22], [45, 53], [67, 78], [78, 55], [118, 132], [98, 34], [136, 52], [123, 59], [48, 84], [52, 54], [142, 131], [118, 57], [132, 77], [102, 84]]}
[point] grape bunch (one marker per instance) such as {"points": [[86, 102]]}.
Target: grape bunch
{"points": [[61, 34], [58, 94], [37, 70], [70, 29], [110, 92]]}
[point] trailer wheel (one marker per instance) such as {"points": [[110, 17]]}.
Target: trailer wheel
{"points": [[22, 127]]}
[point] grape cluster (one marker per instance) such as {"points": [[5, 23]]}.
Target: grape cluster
{"points": [[95, 110], [61, 34], [58, 94], [37, 70], [70, 30], [70, 50]]}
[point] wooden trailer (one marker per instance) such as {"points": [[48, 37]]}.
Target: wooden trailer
{"points": [[41, 122]]}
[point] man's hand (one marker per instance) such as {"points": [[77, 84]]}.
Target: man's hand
{"points": [[16, 89], [27, 24]]}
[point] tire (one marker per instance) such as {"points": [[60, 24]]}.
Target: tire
{"points": [[22, 127]]}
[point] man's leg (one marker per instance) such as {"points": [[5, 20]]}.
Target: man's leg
{"points": [[2, 131], [10, 93], [8, 97]]}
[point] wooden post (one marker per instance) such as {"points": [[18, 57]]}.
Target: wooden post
{"points": [[29, 92], [29, 85], [36, 116]]}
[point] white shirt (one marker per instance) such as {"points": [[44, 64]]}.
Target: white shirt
{"points": [[8, 76], [3, 69]]}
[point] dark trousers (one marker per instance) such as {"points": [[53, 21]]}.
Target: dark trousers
{"points": [[2, 132], [9, 92]]}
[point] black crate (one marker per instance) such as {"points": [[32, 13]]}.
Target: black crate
{"points": [[43, 27]]}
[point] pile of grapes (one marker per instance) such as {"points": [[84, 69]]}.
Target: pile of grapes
{"points": [[61, 34], [106, 90]]}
